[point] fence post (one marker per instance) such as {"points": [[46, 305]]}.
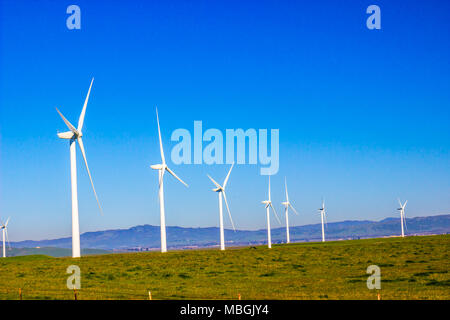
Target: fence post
{"points": [[379, 295], [20, 293], [149, 295], [239, 296], [75, 294]]}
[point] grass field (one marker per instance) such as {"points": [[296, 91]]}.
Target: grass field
{"points": [[411, 268], [51, 251]]}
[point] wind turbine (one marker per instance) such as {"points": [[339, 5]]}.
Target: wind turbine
{"points": [[162, 168], [5, 236], [322, 214], [74, 135], [221, 191], [286, 205], [268, 204], [402, 214]]}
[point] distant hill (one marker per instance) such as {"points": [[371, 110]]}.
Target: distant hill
{"points": [[148, 237]]}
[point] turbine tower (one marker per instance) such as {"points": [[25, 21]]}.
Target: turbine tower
{"points": [[74, 135], [324, 219], [162, 168], [5, 236], [221, 191], [402, 215], [268, 204], [286, 205]]}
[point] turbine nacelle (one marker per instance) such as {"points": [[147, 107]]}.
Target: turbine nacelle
{"points": [[322, 210], [69, 135], [3, 226], [158, 166]]}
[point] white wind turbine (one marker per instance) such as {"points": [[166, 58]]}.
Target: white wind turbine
{"points": [[74, 135], [162, 168], [286, 205], [323, 217], [5, 236], [221, 191], [268, 204], [402, 215]]}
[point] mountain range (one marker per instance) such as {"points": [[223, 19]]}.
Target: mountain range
{"points": [[147, 237]]}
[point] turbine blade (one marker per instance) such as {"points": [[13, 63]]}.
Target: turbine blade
{"points": [[83, 112], [161, 174], [228, 175], [228, 209], [269, 188], [404, 219], [285, 186], [68, 124], [399, 202], [290, 205], [163, 159], [7, 238], [80, 143], [404, 215], [6, 223], [176, 177], [275, 212], [214, 181]]}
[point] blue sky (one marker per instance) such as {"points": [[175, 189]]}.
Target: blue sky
{"points": [[363, 114]]}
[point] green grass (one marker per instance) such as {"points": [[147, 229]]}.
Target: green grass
{"points": [[411, 268], [52, 251]]}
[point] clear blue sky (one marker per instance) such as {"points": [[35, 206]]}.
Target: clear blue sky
{"points": [[363, 114]]}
